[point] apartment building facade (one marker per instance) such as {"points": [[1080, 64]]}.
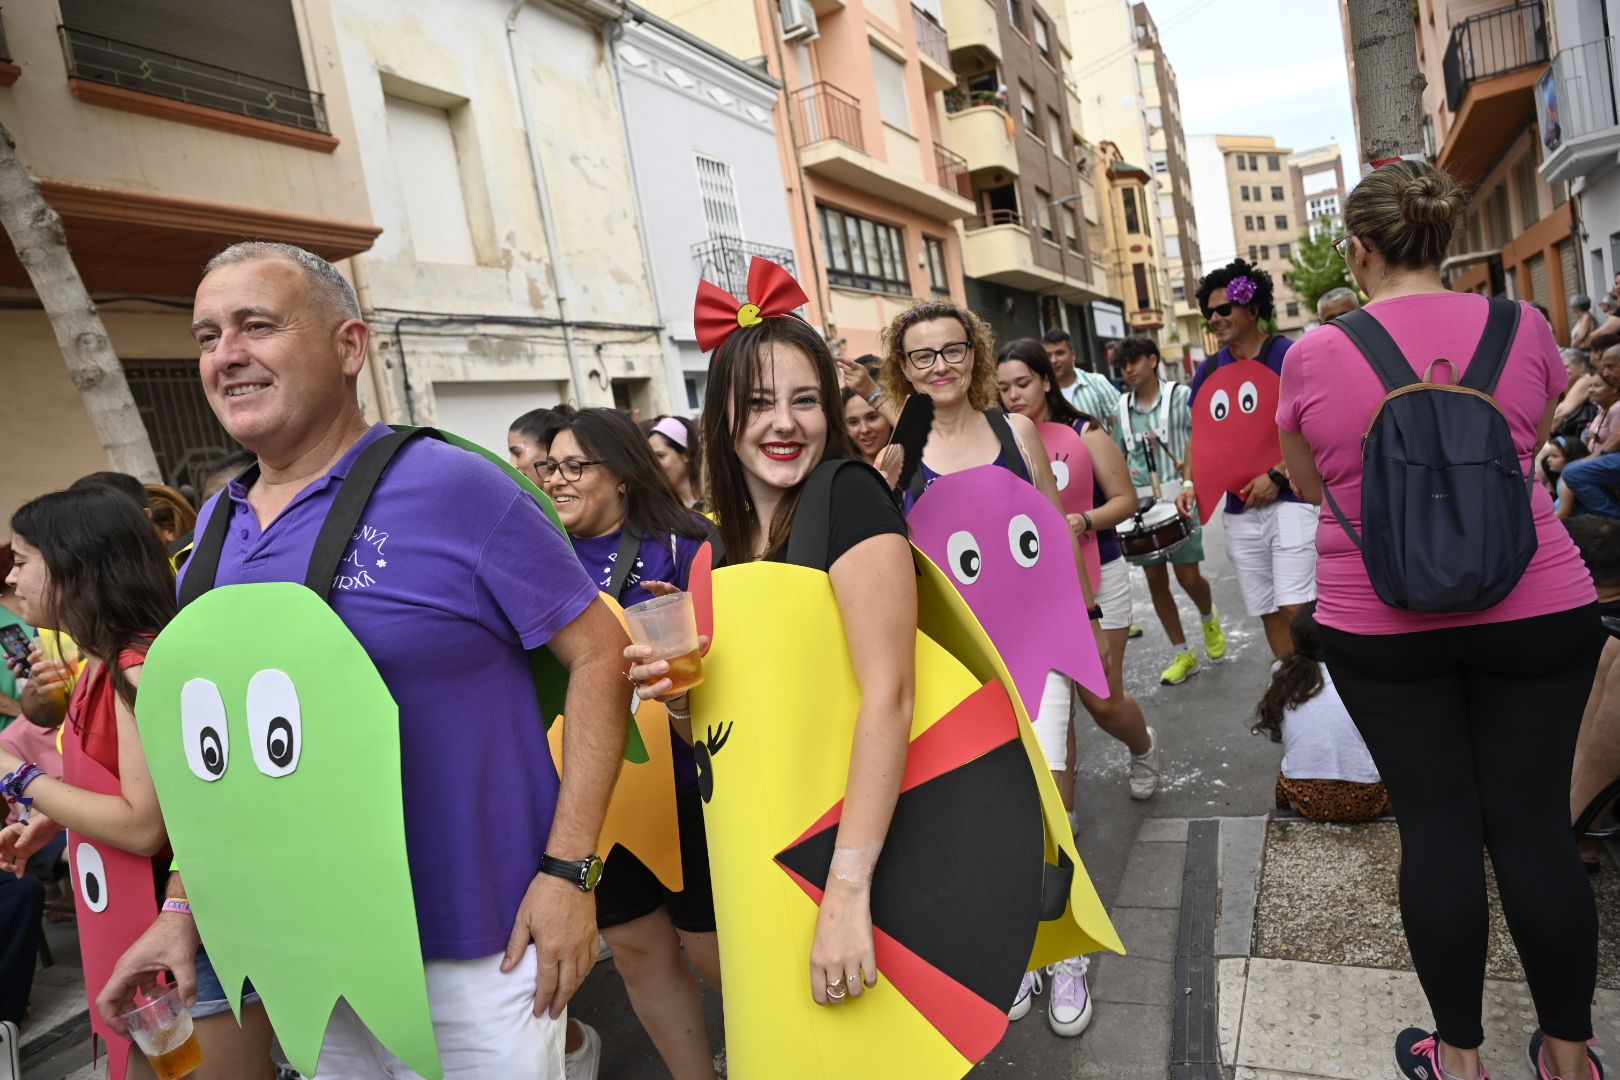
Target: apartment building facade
{"points": [[1167, 157], [1253, 175], [1319, 189], [1026, 254], [208, 125]]}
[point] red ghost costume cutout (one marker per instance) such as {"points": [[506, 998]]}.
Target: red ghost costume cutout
{"points": [[114, 899], [1234, 432], [1071, 467]]}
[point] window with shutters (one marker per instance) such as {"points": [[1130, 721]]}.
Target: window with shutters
{"points": [[1248, 222], [236, 56], [1569, 258], [1133, 216], [1243, 163], [1273, 162], [1043, 37], [1043, 214], [1539, 291], [1282, 222], [1265, 252], [1524, 175], [862, 253], [1015, 14], [1254, 164], [1026, 107], [1071, 228], [1054, 133], [891, 87], [1285, 251], [1276, 194], [1144, 295], [718, 189], [1245, 193], [934, 253], [1172, 247]]}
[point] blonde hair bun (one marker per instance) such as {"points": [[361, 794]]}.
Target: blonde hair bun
{"points": [[1431, 199]]}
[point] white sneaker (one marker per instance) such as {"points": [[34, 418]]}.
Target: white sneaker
{"points": [[1068, 1006], [602, 950], [1027, 990], [582, 1064], [1145, 769]]}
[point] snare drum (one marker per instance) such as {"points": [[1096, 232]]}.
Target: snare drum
{"points": [[1153, 533]]}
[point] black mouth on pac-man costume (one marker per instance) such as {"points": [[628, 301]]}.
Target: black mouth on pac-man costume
{"points": [[967, 775]]}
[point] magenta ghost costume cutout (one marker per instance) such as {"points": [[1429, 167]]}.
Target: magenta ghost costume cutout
{"points": [[1234, 432], [1008, 552], [114, 898], [1071, 468]]}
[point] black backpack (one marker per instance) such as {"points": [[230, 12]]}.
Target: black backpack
{"points": [[1445, 511]]}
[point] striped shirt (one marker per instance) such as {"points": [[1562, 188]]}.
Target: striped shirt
{"points": [[1095, 395], [1175, 413]]}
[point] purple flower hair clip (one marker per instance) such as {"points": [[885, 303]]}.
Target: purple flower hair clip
{"points": [[1241, 289]]}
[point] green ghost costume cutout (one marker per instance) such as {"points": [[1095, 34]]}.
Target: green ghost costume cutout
{"points": [[257, 706]]}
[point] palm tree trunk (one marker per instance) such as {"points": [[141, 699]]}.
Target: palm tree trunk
{"points": [[40, 241]]}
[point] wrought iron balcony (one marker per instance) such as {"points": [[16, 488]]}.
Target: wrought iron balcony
{"points": [[992, 217], [1580, 125], [150, 71], [823, 112], [724, 262], [1495, 43], [952, 170], [931, 39]]}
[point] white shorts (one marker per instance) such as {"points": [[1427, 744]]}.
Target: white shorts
{"points": [[483, 1020], [1273, 550], [1052, 719], [1114, 595]]}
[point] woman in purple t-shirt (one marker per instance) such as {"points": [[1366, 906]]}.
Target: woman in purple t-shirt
{"points": [[1471, 717], [630, 531]]}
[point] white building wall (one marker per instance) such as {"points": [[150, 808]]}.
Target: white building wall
{"points": [[681, 102], [1212, 202], [1578, 22], [474, 293]]}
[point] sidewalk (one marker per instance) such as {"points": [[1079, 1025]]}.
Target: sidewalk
{"points": [[1268, 949]]}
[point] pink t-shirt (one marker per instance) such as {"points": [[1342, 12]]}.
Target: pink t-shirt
{"points": [[1329, 394]]}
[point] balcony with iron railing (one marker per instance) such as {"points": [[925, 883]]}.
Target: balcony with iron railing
{"points": [[725, 261], [1500, 42], [130, 72], [980, 130], [934, 50], [828, 131], [1490, 67], [952, 170], [990, 218], [1580, 126]]}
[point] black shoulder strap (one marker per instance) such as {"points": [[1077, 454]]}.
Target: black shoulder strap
{"points": [[911, 433], [812, 521], [1265, 347], [624, 561], [1501, 326], [338, 529], [1009, 442], [203, 566], [1368, 334]]}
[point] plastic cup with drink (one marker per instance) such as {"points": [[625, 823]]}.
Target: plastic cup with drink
{"points": [[161, 1027], [669, 625]]}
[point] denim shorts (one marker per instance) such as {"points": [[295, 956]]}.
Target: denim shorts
{"points": [[211, 999]]}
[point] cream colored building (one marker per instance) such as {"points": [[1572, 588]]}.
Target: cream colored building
{"points": [[511, 272], [149, 186], [1259, 191]]}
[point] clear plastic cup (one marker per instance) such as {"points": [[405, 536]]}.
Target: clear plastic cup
{"points": [[161, 1027], [669, 625]]}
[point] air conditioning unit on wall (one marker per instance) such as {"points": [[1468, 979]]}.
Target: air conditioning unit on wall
{"points": [[799, 21]]}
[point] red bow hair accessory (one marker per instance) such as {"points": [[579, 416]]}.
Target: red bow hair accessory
{"points": [[771, 292]]}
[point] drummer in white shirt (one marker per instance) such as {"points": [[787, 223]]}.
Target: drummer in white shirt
{"points": [[1154, 429]]}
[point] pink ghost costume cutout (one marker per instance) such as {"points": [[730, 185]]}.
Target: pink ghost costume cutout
{"points": [[1009, 553], [1071, 467], [123, 904], [1234, 432]]}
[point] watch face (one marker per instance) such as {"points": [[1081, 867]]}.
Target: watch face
{"points": [[592, 874]]}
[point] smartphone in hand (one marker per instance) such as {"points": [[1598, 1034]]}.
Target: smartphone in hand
{"points": [[17, 646]]}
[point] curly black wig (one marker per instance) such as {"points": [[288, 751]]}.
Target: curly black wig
{"points": [[1263, 304]]}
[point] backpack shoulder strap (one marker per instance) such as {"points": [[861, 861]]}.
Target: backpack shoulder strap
{"points": [[1501, 326], [911, 433], [349, 504], [1009, 442], [812, 522], [203, 566], [625, 559], [1368, 334]]}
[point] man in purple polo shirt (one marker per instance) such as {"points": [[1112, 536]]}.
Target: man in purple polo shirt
{"points": [[1271, 535], [447, 604]]}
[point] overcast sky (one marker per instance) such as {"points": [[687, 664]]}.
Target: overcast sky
{"points": [[1261, 67]]}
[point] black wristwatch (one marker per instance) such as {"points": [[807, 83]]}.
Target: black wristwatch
{"points": [[586, 873], [1278, 478]]}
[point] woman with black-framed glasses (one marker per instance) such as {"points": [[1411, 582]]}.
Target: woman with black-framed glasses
{"points": [[634, 537]]}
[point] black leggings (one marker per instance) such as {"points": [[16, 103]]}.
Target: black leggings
{"points": [[1473, 729]]}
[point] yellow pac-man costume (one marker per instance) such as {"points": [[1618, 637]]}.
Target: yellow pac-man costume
{"points": [[978, 880]]}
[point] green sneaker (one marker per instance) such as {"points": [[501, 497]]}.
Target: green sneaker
{"points": [[1184, 665], [1133, 633], [1214, 636]]}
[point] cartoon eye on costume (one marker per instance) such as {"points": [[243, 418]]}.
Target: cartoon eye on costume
{"points": [[1220, 404], [962, 552], [1025, 540], [1060, 471], [202, 726], [92, 876], [704, 751], [275, 725], [1248, 397]]}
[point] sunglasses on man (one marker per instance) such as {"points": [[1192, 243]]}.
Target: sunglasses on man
{"points": [[1223, 310]]}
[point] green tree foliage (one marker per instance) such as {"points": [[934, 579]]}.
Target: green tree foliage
{"points": [[1316, 269]]}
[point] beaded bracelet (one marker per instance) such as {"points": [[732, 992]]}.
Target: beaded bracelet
{"points": [[13, 784]]}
